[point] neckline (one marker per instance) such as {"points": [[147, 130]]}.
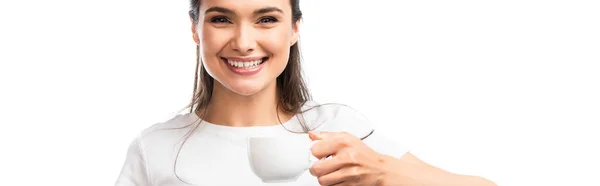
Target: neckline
{"points": [[208, 126], [290, 126]]}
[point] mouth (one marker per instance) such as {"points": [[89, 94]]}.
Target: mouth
{"points": [[245, 63], [246, 66]]}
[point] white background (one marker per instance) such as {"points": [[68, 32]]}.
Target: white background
{"points": [[508, 90]]}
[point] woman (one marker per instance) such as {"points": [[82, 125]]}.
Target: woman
{"points": [[249, 83]]}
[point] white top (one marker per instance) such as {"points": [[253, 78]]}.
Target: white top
{"points": [[216, 154]]}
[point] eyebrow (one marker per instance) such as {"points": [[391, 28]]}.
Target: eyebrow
{"points": [[229, 11], [267, 10], [218, 9]]}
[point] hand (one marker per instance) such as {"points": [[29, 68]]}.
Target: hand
{"points": [[352, 162]]}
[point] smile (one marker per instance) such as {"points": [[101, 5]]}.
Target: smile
{"points": [[245, 65], [240, 63]]}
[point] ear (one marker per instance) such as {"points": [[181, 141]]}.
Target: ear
{"points": [[194, 33], [295, 33]]}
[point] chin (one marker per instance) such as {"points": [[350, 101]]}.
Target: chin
{"points": [[246, 88], [246, 91]]}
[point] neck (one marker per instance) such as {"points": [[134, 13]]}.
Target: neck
{"points": [[231, 109]]}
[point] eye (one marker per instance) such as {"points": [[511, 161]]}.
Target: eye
{"points": [[219, 19], [267, 20]]}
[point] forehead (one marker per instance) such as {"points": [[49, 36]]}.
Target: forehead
{"points": [[246, 6]]}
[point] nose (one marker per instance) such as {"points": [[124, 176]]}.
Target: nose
{"points": [[243, 41]]}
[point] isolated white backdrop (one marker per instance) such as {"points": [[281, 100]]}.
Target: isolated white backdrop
{"points": [[508, 90]]}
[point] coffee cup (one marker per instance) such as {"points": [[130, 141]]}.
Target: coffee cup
{"points": [[276, 159]]}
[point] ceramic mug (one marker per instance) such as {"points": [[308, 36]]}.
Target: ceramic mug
{"points": [[277, 159]]}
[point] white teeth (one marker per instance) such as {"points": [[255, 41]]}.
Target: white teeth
{"points": [[246, 64]]}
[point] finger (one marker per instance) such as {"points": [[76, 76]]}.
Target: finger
{"points": [[315, 135], [325, 167], [330, 165], [343, 183], [342, 176], [332, 145], [325, 148], [325, 134], [339, 184]]}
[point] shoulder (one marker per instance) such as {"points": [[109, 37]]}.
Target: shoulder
{"points": [[151, 148], [166, 132], [344, 118], [159, 139], [334, 117], [178, 121]]}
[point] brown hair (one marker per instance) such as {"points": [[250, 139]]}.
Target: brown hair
{"points": [[291, 86]]}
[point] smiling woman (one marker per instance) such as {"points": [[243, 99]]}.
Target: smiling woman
{"points": [[237, 42], [249, 83]]}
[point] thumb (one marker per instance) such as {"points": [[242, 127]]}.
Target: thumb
{"points": [[320, 135], [315, 135]]}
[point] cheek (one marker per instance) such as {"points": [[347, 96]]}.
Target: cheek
{"points": [[212, 41], [278, 44]]}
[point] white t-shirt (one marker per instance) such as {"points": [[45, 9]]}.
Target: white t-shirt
{"points": [[216, 154]]}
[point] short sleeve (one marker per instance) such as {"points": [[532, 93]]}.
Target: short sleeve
{"points": [[134, 172], [342, 118], [346, 119]]}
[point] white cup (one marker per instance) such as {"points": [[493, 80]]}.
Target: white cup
{"points": [[278, 159]]}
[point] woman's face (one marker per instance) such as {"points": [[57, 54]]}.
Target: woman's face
{"points": [[245, 44]]}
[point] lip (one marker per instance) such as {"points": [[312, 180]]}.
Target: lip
{"points": [[244, 71], [244, 58]]}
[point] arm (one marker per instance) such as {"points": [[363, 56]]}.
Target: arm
{"points": [[362, 158], [406, 169], [410, 170], [376, 161]]}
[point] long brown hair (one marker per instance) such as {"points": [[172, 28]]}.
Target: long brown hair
{"points": [[291, 87]]}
